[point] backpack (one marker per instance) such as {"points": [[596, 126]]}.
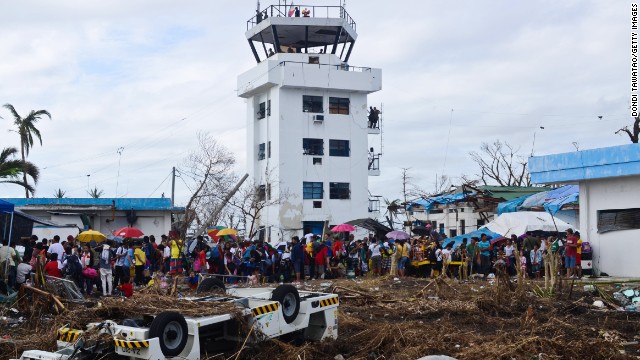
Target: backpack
{"points": [[387, 250], [214, 252], [433, 257], [74, 268]]}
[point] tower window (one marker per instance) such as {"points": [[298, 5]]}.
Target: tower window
{"points": [[261, 151], [269, 149], [268, 107], [312, 146], [317, 204], [262, 110], [312, 104], [317, 161], [261, 193], [311, 190], [339, 105], [339, 147], [339, 191]]}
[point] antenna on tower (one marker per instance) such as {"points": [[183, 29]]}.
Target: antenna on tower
{"points": [[258, 6]]}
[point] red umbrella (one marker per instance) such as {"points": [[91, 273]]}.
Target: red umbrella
{"points": [[128, 232], [343, 228]]}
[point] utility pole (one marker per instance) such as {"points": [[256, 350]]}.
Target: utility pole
{"points": [[405, 181], [173, 187]]}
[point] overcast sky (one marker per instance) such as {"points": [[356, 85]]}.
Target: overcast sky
{"points": [[148, 75]]}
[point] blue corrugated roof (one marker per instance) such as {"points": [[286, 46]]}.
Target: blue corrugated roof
{"points": [[121, 203], [600, 163]]}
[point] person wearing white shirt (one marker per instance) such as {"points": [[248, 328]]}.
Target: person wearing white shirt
{"points": [[56, 247], [376, 257], [24, 269]]}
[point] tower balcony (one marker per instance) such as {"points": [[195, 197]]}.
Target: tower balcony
{"points": [[374, 164], [374, 206], [374, 128], [319, 29], [309, 71]]}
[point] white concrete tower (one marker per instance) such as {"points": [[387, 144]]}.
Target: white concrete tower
{"points": [[307, 118]]}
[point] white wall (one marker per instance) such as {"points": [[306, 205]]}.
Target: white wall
{"points": [[149, 222], [450, 220], [615, 252], [287, 125]]}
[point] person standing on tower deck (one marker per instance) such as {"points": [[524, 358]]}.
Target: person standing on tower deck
{"points": [[374, 116]]}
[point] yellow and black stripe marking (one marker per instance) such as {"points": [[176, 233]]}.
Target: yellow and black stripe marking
{"points": [[131, 344], [261, 310], [329, 302], [68, 335]]}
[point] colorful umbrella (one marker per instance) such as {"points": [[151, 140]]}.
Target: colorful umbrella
{"points": [[91, 235], [398, 235], [128, 232], [227, 232], [215, 236], [343, 228]]}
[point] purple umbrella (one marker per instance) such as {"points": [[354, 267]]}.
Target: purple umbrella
{"points": [[398, 235]]}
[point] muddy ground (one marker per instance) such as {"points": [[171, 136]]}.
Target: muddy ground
{"points": [[380, 318]]}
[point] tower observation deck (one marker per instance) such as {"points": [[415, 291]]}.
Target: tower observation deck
{"points": [[319, 29]]}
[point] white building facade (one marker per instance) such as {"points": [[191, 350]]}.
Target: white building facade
{"points": [[609, 180], [307, 121]]}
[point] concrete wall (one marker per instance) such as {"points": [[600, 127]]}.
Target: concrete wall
{"points": [[615, 252]]}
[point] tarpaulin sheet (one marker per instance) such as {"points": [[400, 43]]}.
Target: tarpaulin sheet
{"points": [[511, 205], [536, 199], [442, 199], [556, 204], [562, 192], [519, 223]]}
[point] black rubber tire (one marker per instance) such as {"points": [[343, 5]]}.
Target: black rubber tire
{"points": [[170, 321], [209, 284], [285, 294]]}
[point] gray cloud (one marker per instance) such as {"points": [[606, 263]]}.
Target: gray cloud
{"points": [[123, 73]]}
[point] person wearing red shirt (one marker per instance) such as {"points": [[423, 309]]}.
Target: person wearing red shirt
{"points": [[337, 247], [570, 253], [126, 288], [321, 260], [53, 267]]}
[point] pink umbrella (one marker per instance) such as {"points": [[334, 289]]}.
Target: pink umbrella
{"points": [[343, 228]]}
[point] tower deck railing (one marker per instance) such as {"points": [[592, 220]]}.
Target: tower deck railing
{"points": [[343, 67], [324, 11]]}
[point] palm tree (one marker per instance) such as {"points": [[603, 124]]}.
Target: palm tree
{"points": [[393, 209], [59, 194], [95, 193], [26, 128], [10, 169]]}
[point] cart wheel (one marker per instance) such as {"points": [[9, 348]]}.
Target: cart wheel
{"points": [[171, 328], [209, 284], [289, 299]]}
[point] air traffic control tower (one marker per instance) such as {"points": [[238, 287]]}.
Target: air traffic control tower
{"points": [[307, 119]]}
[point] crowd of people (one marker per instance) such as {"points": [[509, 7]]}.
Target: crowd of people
{"points": [[117, 268]]}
